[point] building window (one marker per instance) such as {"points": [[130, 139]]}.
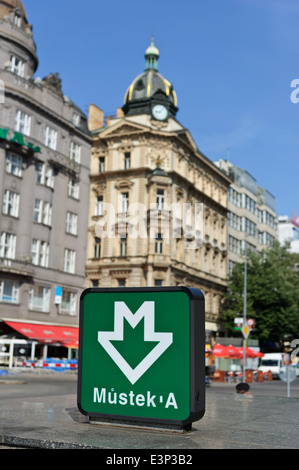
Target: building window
{"points": [[17, 21], [7, 245], [38, 211], [101, 164], [42, 212], [295, 234], [231, 266], [123, 246], [9, 291], [39, 299], [76, 118], [234, 197], [160, 199], [234, 245], [68, 303], [14, 164], [17, 66], [127, 160], [248, 203], [73, 188], [22, 123], [269, 239], [40, 253], [264, 238], [44, 174], [97, 247], [98, 209], [235, 221], [75, 152], [158, 282], [51, 138], [159, 243], [249, 226], [71, 223], [121, 282], [266, 218], [11, 203], [248, 246], [69, 261], [124, 203]]}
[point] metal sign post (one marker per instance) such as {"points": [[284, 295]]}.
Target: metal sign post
{"points": [[245, 331], [287, 374], [245, 328], [142, 356]]}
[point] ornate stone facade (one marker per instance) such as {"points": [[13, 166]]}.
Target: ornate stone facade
{"points": [[136, 159]]}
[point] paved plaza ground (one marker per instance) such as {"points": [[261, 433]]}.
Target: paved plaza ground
{"points": [[40, 411]]}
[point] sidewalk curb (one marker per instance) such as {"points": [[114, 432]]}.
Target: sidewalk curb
{"points": [[27, 443], [12, 382]]}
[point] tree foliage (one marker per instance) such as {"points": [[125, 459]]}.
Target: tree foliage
{"points": [[272, 294]]}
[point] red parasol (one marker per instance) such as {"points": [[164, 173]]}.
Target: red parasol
{"points": [[220, 351], [248, 352], [233, 352], [226, 351], [259, 354]]}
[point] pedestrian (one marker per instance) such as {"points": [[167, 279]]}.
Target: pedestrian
{"points": [[242, 388]]}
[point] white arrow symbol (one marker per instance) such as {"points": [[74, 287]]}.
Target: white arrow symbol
{"points": [[146, 311]]}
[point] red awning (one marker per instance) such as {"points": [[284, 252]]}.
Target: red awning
{"points": [[47, 333]]}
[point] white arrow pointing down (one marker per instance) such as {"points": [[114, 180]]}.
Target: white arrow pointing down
{"points": [[146, 311]]}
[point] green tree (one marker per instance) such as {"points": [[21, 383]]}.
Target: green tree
{"points": [[272, 294]]}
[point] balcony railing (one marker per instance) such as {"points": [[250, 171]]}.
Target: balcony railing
{"points": [[20, 267]]}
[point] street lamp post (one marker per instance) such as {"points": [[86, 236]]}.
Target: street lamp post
{"points": [[245, 306]]}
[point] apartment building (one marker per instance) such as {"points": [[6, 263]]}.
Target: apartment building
{"points": [[288, 231], [251, 214], [45, 151]]}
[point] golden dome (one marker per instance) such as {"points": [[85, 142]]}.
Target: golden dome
{"points": [[147, 84], [150, 81]]}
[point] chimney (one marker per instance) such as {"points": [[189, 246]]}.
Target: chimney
{"points": [[95, 118], [119, 113]]}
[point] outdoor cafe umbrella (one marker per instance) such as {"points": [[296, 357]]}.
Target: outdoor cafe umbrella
{"points": [[259, 354], [233, 352], [249, 353], [220, 351], [230, 351]]}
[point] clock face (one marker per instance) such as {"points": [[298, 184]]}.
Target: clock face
{"points": [[159, 112]]}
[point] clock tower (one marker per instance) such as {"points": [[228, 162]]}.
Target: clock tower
{"points": [[150, 93]]}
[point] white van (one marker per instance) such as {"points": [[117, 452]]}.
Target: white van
{"points": [[273, 362]]}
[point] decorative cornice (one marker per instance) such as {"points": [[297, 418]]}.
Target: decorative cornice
{"points": [[119, 273]]}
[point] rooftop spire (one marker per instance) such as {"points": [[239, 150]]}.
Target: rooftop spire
{"points": [[152, 56]]}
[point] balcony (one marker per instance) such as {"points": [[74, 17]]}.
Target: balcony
{"points": [[64, 163], [19, 267]]}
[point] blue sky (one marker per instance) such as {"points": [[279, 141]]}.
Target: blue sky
{"points": [[231, 63]]}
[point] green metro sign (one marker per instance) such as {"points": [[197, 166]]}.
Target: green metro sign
{"points": [[142, 355]]}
